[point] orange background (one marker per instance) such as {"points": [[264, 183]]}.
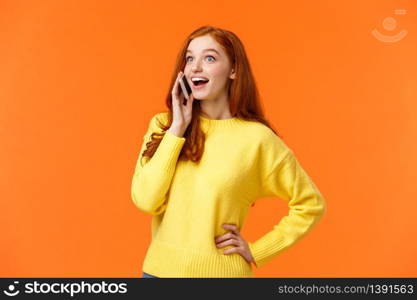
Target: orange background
{"points": [[80, 80]]}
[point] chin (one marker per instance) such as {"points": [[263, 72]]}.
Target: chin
{"points": [[202, 97]]}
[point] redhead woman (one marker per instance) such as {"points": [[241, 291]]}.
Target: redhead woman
{"points": [[205, 161]]}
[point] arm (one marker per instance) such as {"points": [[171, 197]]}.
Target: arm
{"points": [[152, 181], [290, 182]]}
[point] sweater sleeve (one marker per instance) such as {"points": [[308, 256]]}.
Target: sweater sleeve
{"points": [[289, 181], [151, 182]]}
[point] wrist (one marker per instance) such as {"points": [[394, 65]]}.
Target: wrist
{"points": [[177, 130]]}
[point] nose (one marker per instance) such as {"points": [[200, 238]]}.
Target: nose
{"points": [[196, 66]]}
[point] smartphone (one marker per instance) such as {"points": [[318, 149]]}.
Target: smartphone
{"points": [[185, 87]]}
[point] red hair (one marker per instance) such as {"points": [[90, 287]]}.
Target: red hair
{"points": [[243, 94]]}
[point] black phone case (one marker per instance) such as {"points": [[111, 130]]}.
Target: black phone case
{"points": [[185, 87]]}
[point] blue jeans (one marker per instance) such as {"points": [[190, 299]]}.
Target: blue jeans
{"points": [[146, 275]]}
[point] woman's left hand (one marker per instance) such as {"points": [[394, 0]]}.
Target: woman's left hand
{"points": [[234, 238]]}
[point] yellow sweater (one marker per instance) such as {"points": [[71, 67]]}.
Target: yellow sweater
{"points": [[243, 161]]}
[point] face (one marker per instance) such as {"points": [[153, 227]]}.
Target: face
{"points": [[213, 65]]}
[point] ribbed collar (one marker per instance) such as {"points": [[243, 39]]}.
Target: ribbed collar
{"points": [[213, 123]]}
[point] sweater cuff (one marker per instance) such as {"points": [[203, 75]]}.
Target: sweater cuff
{"points": [[263, 251]]}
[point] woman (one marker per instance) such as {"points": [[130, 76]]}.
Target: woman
{"points": [[208, 160]]}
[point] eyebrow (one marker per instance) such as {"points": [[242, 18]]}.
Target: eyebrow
{"points": [[209, 49]]}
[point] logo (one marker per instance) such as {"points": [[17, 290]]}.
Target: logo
{"points": [[11, 291], [389, 24]]}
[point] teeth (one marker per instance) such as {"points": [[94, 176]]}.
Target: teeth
{"points": [[198, 78]]}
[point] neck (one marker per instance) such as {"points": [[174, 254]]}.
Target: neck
{"points": [[216, 109]]}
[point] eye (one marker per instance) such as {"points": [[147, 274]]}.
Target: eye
{"points": [[186, 59]]}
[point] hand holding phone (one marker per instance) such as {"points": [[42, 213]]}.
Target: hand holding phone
{"points": [[185, 87], [182, 102]]}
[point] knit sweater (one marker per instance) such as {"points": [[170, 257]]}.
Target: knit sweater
{"points": [[243, 161]]}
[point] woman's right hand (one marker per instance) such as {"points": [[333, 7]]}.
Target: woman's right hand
{"points": [[181, 113]]}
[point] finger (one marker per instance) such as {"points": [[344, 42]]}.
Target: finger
{"points": [[176, 83], [233, 250], [176, 106], [190, 101], [231, 227], [176, 95], [226, 236], [182, 99], [234, 242]]}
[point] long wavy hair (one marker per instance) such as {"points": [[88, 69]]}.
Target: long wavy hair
{"points": [[243, 95]]}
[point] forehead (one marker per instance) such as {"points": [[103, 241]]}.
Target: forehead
{"points": [[199, 44]]}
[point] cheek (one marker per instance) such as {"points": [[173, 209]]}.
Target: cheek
{"points": [[219, 78], [218, 73]]}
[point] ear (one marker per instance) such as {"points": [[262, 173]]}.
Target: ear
{"points": [[233, 74]]}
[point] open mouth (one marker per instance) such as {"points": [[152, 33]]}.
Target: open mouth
{"points": [[200, 82]]}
